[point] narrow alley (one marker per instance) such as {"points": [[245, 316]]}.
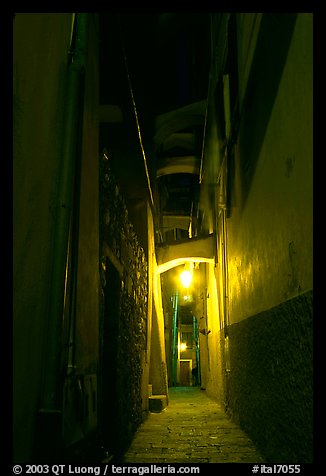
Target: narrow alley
{"points": [[163, 237], [191, 429]]}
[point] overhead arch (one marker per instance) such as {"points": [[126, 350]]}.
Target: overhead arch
{"points": [[173, 165], [179, 120], [196, 250]]}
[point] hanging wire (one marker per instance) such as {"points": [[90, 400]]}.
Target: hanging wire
{"points": [[136, 116]]}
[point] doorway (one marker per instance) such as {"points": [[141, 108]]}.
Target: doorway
{"points": [[185, 377]]}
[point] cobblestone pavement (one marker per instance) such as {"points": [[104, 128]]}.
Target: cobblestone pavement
{"points": [[192, 429]]}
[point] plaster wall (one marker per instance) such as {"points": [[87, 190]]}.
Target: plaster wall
{"points": [[38, 103], [146, 356], [158, 368], [268, 388], [270, 237], [262, 372], [213, 383], [248, 25]]}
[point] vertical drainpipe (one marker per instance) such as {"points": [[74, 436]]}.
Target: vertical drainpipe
{"points": [[49, 429], [175, 339], [226, 295], [196, 339]]}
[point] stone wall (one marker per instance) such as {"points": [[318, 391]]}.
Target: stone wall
{"points": [[120, 246], [270, 387]]}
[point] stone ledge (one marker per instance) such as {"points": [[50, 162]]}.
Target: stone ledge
{"points": [[157, 403]]}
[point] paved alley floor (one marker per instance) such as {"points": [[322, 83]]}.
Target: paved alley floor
{"points": [[193, 428]]}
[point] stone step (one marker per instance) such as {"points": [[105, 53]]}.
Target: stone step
{"points": [[157, 403]]}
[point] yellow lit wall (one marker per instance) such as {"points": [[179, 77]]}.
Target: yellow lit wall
{"points": [[270, 237], [158, 369], [214, 382]]}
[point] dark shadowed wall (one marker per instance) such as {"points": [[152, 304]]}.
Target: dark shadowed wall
{"points": [[41, 44]]}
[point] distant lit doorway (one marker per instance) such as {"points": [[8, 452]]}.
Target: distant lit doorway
{"points": [[185, 354], [185, 376]]}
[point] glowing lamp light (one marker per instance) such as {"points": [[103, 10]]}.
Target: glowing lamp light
{"points": [[183, 346], [186, 278]]}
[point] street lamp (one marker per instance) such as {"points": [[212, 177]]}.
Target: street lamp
{"points": [[183, 346], [186, 278]]}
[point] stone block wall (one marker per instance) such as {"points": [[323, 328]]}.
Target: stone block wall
{"points": [[270, 384], [119, 244]]}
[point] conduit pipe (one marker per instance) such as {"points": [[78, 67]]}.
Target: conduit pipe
{"points": [[175, 339], [51, 400]]}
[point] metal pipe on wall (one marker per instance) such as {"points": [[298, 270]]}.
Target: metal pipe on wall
{"points": [[175, 339], [51, 398]]}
